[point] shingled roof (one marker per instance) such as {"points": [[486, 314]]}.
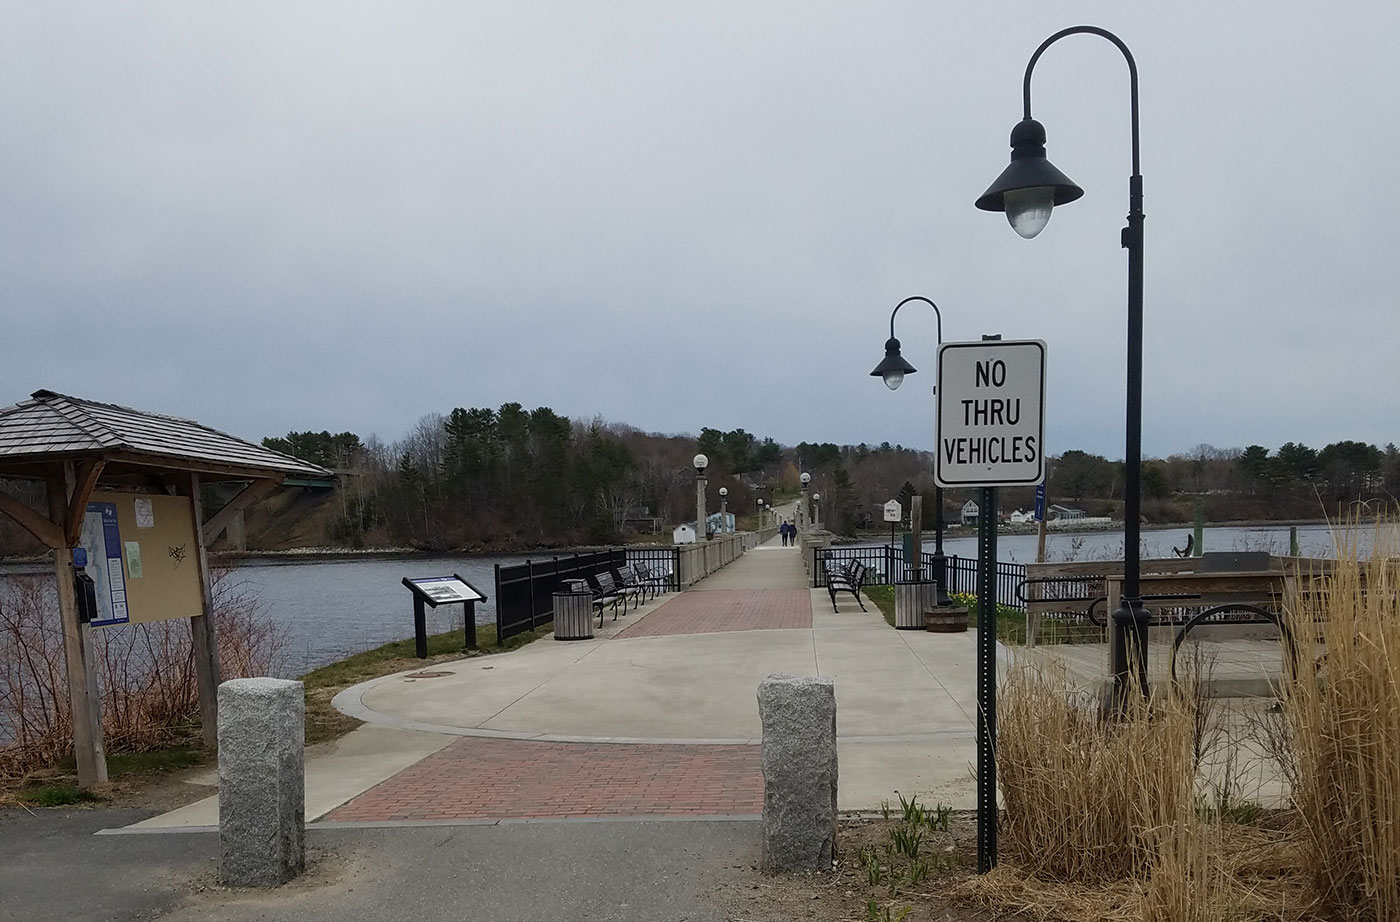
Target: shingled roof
{"points": [[50, 427]]}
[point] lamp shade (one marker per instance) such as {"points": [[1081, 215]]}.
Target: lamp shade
{"points": [[723, 491], [1031, 185], [701, 462], [893, 367]]}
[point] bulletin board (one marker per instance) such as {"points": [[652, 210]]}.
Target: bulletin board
{"points": [[154, 538]]}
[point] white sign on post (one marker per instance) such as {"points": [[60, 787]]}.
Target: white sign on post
{"points": [[991, 413], [894, 512]]}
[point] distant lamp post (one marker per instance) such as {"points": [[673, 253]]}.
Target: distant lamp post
{"points": [[724, 509], [804, 512], [1028, 190], [760, 512], [816, 510], [892, 370], [701, 462]]}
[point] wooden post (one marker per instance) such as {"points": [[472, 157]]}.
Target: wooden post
{"points": [[85, 707], [1113, 591], [204, 633], [1037, 589], [916, 525]]}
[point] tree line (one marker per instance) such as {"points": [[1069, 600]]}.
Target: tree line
{"points": [[516, 477], [510, 477]]}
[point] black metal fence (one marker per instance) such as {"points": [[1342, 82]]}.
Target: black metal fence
{"points": [[525, 592], [885, 566]]}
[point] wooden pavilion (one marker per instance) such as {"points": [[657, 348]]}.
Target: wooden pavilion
{"points": [[140, 463]]}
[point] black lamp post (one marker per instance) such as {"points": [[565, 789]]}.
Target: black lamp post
{"points": [[892, 369], [1027, 191]]}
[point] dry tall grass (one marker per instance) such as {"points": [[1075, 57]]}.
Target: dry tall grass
{"points": [[1100, 817], [1342, 717], [1084, 797], [1102, 821], [145, 673]]}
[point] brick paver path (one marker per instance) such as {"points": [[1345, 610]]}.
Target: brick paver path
{"points": [[714, 610], [477, 778]]}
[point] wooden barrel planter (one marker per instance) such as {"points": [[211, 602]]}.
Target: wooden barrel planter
{"points": [[945, 619]]}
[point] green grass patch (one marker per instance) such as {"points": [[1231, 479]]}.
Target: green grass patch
{"points": [[174, 759], [324, 722], [55, 795], [883, 597], [1011, 623]]}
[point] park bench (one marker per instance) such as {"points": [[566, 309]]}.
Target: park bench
{"points": [[657, 580], [845, 578], [606, 592], [630, 584]]}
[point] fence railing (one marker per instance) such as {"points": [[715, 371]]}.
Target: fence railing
{"points": [[885, 566], [525, 592]]}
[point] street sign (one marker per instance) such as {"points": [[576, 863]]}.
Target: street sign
{"points": [[991, 413], [1040, 502], [894, 512]]}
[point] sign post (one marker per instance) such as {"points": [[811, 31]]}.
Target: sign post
{"points": [[991, 433], [894, 514]]}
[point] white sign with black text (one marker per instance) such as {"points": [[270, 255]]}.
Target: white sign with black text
{"points": [[991, 413], [894, 512]]}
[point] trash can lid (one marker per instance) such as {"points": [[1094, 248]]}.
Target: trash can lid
{"points": [[575, 585]]}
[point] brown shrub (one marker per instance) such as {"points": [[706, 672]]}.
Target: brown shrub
{"points": [[145, 672]]}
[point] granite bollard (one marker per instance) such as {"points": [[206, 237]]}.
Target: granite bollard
{"points": [[799, 772], [262, 796]]}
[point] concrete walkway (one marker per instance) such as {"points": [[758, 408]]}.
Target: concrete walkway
{"points": [[656, 716]]}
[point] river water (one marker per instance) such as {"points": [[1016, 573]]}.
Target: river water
{"points": [[329, 609]]}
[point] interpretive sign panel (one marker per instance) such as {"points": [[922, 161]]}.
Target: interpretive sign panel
{"points": [[440, 590], [142, 558], [991, 413], [102, 542], [894, 512]]}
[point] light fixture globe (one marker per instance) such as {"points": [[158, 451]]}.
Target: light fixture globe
{"points": [[701, 462], [1030, 187], [816, 497], [723, 491], [806, 478], [892, 367]]}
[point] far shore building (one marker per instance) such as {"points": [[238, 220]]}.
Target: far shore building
{"points": [[969, 513]]}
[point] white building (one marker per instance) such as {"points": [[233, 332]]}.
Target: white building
{"points": [[684, 534], [969, 513]]}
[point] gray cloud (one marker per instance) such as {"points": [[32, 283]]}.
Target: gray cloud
{"points": [[279, 216]]}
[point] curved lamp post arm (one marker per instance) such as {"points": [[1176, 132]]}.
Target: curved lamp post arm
{"points": [[936, 312], [1132, 75], [1128, 640]]}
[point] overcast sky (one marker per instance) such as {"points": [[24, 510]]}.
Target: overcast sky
{"points": [[346, 215]]}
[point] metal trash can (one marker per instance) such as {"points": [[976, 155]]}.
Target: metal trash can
{"points": [[911, 600], [573, 611]]}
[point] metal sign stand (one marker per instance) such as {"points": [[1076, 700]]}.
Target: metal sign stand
{"points": [[987, 681], [437, 591], [991, 432]]}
